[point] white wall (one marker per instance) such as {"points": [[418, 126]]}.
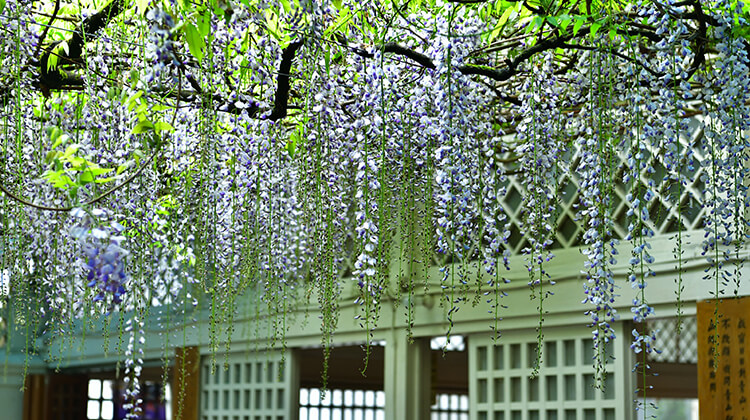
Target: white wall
{"points": [[11, 382]]}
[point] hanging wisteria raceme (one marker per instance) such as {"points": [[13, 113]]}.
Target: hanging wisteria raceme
{"points": [[103, 256], [652, 127], [134, 327], [161, 48], [541, 147], [18, 42], [366, 160], [457, 165], [596, 188], [494, 225]]}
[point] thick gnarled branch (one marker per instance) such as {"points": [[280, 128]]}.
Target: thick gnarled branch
{"points": [[86, 31]]}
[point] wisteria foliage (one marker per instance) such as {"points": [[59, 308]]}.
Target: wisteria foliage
{"points": [[237, 157]]}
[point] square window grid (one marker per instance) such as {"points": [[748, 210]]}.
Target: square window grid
{"points": [[341, 404], [105, 400], [502, 387], [450, 407], [253, 387], [100, 400]]}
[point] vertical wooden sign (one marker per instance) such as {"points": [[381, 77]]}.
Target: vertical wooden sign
{"points": [[723, 389]]}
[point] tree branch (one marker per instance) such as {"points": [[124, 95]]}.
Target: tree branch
{"points": [[420, 58], [281, 99], [87, 203], [53, 80], [43, 36]]}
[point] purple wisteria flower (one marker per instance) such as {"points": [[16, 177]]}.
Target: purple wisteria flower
{"points": [[104, 257], [161, 47]]}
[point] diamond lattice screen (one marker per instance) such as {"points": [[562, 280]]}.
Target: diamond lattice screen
{"points": [[258, 386], [502, 387], [674, 347], [663, 208]]}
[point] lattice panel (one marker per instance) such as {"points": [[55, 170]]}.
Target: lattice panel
{"points": [[347, 404], [450, 407], [501, 385], [674, 347], [663, 208], [254, 387]]}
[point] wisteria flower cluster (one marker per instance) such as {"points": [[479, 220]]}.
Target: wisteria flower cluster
{"points": [[161, 47], [104, 258]]}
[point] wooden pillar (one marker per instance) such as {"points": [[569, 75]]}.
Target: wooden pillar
{"points": [[407, 377], [34, 398], [186, 384]]}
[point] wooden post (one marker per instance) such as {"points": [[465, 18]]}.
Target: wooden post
{"points": [[407, 379], [186, 384], [34, 398]]}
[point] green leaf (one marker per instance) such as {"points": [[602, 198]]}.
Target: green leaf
{"points": [[141, 111], [595, 28], [195, 41], [85, 177], [536, 23], [577, 25], [179, 26], [272, 25], [291, 145], [141, 6], [495, 33], [564, 21], [204, 23], [344, 19], [70, 150], [58, 179], [57, 136], [51, 156], [295, 139], [163, 126], [142, 127], [2, 5], [612, 33], [505, 16], [327, 59], [78, 163], [134, 76], [131, 101], [138, 155], [286, 5], [160, 107], [52, 60], [122, 168], [96, 170]]}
